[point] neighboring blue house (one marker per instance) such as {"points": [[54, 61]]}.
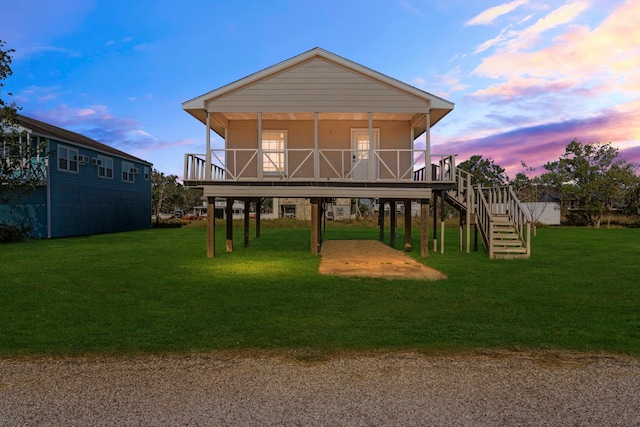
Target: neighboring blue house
{"points": [[87, 187]]}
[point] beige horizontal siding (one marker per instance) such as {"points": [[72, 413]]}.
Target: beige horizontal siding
{"points": [[318, 85]]}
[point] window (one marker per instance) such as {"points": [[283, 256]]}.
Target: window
{"points": [[105, 167], [67, 159], [362, 146], [146, 173], [127, 172], [273, 150]]}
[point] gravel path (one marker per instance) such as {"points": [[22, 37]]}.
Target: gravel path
{"points": [[298, 389]]}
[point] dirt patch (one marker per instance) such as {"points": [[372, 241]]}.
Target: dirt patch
{"points": [[371, 258]]}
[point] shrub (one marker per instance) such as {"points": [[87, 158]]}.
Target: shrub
{"points": [[14, 233]]}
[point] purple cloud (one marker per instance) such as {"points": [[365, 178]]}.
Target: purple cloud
{"points": [[537, 145]]}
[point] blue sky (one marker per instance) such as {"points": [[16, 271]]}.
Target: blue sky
{"points": [[527, 76]]}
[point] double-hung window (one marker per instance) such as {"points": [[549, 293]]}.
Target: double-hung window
{"points": [[105, 167], [127, 172], [274, 143], [67, 159]]}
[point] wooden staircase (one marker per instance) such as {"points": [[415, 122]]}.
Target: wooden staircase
{"points": [[505, 240], [496, 212]]}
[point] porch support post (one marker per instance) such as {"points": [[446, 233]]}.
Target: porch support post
{"points": [[435, 222], [315, 225], [424, 228], [381, 218], [320, 225], [247, 208], [475, 237], [470, 205], [408, 245], [427, 147], [259, 159], [372, 159], [227, 162], [316, 146], [207, 171], [392, 222], [229, 215], [211, 227], [258, 213], [441, 222]]}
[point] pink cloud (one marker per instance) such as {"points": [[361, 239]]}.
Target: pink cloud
{"points": [[578, 54], [584, 85], [491, 14]]}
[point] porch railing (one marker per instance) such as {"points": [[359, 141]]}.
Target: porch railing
{"points": [[391, 165], [20, 169]]}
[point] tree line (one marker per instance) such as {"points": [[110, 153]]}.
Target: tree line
{"points": [[592, 176]]}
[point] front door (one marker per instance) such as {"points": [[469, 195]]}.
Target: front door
{"points": [[364, 166]]}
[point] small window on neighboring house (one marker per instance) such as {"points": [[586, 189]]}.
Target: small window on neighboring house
{"points": [[127, 172], [274, 143], [105, 167], [67, 159], [146, 173]]}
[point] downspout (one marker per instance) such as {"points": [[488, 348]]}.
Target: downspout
{"points": [[48, 191]]}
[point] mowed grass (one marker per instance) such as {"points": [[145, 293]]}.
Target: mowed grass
{"points": [[155, 291]]}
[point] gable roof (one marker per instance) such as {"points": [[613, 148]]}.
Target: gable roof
{"points": [[197, 106], [50, 131]]}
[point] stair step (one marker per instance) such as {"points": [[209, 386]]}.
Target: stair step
{"points": [[507, 243], [504, 233], [518, 250], [506, 236], [511, 256]]}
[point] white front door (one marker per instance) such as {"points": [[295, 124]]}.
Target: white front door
{"points": [[363, 164]]}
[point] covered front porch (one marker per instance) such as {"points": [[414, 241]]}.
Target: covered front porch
{"points": [[318, 147]]}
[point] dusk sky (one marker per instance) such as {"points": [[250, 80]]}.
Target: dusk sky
{"points": [[526, 76]]}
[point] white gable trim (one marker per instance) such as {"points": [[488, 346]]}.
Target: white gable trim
{"points": [[199, 103]]}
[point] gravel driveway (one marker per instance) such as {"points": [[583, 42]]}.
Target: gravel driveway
{"points": [[297, 389]]}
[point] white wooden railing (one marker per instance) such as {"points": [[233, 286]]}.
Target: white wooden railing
{"points": [[502, 201], [304, 164], [21, 169]]}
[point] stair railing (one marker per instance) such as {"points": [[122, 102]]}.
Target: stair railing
{"points": [[520, 219], [484, 219], [503, 201]]}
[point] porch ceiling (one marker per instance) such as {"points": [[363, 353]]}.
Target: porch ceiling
{"points": [[220, 120]]}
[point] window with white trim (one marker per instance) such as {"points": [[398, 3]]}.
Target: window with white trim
{"points": [[146, 173], [105, 167], [127, 172], [67, 159], [274, 143]]}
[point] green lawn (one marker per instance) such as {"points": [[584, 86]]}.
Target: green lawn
{"points": [[155, 291]]}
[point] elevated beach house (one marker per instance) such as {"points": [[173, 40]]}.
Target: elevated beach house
{"points": [[320, 126]]}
